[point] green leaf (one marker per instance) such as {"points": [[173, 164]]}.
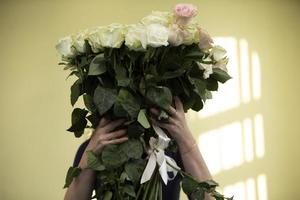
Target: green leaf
{"points": [[195, 71], [97, 65], [198, 104], [104, 98], [135, 169], [123, 177], [108, 195], [187, 102], [128, 102], [173, 74], [142, 119], [119, 111], [93, 162], [220, 75], [200, 86], [189, 185], [129, 189], [135, 130], [94, 118], [88, 102], [198, 194], [133, 148], [113, 156], [72, 73], [209, 184], [212, 84], [160, 95], [195, 55], [185, 85], [120, 71], [82, 61], [76, 91], [121, 76], [149, 53], [72, 173], [78, 121], [123, 81]]}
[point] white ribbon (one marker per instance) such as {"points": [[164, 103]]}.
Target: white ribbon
{"points": [[157, 156]]}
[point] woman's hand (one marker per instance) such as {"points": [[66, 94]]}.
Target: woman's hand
{"points": [[103, 136], [82, 186], [176, 125]]}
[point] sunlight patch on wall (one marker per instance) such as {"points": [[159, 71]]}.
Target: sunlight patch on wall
{"points": [[256, 76], [262, 187], [248, 139], [244, 63], [250, 189], [232, 145], [259, 136]]}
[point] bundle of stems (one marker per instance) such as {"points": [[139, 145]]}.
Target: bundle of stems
{"points": [[152, 189]]}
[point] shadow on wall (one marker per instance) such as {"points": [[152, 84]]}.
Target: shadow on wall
{"points": [[233, 140]]}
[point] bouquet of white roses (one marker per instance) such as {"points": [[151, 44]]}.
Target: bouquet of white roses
{"points": [[123, 70]]}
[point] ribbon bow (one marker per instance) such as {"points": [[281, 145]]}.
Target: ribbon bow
{"points": [[157, 156]]}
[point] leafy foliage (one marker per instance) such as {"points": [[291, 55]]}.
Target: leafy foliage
{"points": [[120, 82]]}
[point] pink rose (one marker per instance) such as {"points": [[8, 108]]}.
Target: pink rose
{"points": [[184, 13], [205, 41]]}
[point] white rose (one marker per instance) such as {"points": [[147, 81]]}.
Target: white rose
{"points": [[135, 38], [208, 69], [222, 64], [175, 35], [158, 17], [157, 35], [65, 47], [93, 38], [191, 34], [218, 53], [112, 35], [78, 41]]}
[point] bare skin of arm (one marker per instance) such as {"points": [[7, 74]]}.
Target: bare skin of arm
{"points": [[191, 156], [82, 186]]}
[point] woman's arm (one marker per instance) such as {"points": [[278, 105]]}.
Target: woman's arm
{"points": [[82, 186], [177, 127]]}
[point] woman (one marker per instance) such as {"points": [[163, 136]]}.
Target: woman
{"points": [[82, 186]]}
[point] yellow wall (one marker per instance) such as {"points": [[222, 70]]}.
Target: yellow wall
{"points": [[36, 149]]}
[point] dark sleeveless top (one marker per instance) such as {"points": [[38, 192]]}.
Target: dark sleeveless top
{"points": [[171, 191]]}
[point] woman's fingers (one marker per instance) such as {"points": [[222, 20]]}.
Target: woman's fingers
{"points": [[115, 134], [154, 111], [167, 126], [178, 104], [114, 124], [171, 111], [117, 141], [103, 121]]}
